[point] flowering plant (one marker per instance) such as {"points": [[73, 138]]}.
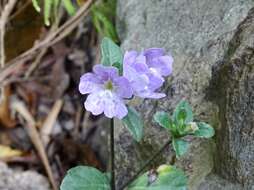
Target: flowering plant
{"points": [[121, 77]]}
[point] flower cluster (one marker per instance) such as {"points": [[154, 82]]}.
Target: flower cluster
{"points": [[142, 76]]}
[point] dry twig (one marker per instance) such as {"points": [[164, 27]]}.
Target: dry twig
{"points": [[3, 20], [48, 124], [51, 39], [35, 138]]}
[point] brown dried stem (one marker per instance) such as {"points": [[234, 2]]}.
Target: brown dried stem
{"points": [[51, 39], [35, 138]]}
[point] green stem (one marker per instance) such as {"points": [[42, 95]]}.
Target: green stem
{"points": [[112, 152], [148, 162]]}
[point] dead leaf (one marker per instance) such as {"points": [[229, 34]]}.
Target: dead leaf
{"points": [[5, 113], [7, 152], [23, 30]]}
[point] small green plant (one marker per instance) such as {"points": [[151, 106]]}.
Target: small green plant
{"points": [[52, 6], [121, 77], [181, 124]]}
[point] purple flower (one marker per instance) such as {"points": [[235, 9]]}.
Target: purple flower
{"points": [[146, 70], [106, 91]]}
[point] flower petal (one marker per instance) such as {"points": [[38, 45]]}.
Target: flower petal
{"points": [[129, 57], [140, 64], [153, 95], [108, 102], [113, 105], [122, 110], [95, 103], [155, 79], [123, 87], [89, 83], [163, 64], [153, 53], [138, 81], [105, 72]]}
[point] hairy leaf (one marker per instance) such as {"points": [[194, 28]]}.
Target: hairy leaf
{"points": [[204, 130], [111, 53], [166, 177], [162, 118], [134, 124], [82, 177], [180, 146], [183, 113]]}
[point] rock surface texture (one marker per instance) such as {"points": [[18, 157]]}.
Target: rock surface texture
{"points": [[212, 43], [15, 180]]}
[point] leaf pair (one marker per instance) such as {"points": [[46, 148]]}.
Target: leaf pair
{"points": [[165, 177], [181, 124]]}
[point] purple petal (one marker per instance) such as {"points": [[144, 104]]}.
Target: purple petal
{"points": [[105, 72], [129, 57], [89, 83], [140, 64], [123, 87], [94, 103], [138, 81], [163, 65], [155, 79], [122, 110], [153, 52], [108, 102], [115, 107], [153, 95]]}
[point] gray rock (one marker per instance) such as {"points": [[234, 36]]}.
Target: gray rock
{"points": [[17, 180], [234, 81], [200, 35], [214, 182]]}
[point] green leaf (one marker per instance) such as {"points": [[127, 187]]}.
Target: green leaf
{"points": [[183, 113], [36, 5], [56, 8], [134, 124], [47, 11], [69, 7], [119, 66], [162, 118], [103, 15], [103, 24], [111, 53], [166, 177], [82, 178], [180, 146], [204, 130]]}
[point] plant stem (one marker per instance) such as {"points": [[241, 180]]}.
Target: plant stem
{"points": [[112, 152], [148, 162]]}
